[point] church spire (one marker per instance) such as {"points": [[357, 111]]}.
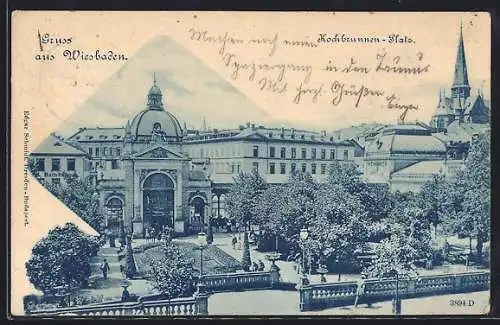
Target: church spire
{"points": [[460, 88]]}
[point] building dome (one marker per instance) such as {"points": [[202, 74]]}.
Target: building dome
{"points": [[407, 139], [155, 120]]}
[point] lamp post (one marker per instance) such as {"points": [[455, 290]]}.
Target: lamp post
{"points": [[202, 242], [396, 304], [304, 234]]}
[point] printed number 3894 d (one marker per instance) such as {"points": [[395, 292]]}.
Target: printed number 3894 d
{"points": [[461, 303]]}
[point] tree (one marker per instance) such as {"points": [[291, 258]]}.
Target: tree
{"points": [[172, 273], [244, 196], [81, 197], [130, 269], [394, 256], [62, 258], [433, 199], [340, 225], [375, 198], [470, 195], [294, 209]]}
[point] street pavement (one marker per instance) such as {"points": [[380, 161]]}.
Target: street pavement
{"points": [[275, 302]]}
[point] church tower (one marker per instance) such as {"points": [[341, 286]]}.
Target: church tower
{"points": [[460, 90]]}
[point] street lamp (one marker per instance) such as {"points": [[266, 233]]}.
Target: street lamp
{"points": [[202, 243], [304, 234]]}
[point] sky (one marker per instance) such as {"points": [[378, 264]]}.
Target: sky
{"points": [[194, 90]]}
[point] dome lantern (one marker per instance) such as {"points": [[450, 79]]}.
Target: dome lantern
{"points": [[155, 96]]}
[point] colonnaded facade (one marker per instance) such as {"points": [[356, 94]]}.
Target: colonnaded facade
{"points": [[153, 172]]}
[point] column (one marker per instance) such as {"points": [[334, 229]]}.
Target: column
{"points": [[128, 209]]}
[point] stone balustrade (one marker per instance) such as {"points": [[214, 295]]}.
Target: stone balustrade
{"points": [[326, 295], [196, 305], [241, 281]]}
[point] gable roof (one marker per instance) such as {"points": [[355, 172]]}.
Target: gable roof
{"points": [[99, 134], [57, 146]]}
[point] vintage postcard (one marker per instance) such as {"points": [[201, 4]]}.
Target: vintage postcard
{"points": [[171, 164]]}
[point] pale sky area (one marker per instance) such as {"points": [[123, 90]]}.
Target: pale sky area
{"points": [[193, 90]]}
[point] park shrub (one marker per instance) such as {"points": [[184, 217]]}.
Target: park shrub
{"points": [[130, 269], [62, 258]]}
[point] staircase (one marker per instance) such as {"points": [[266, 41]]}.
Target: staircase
{"points": [[111, 256]]}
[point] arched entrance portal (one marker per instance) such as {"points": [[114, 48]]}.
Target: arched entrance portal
{"points": [[114, 215], [158, 201], [197, 214]]}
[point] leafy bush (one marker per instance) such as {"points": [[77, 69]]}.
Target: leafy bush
{"points": [[62, 259], [171, 273]]}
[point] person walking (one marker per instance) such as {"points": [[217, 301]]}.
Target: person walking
{"points": [[153, 234], [261, 266], [105, 268], [239, 241], [234, 241], [147, 234], [360, 290]]}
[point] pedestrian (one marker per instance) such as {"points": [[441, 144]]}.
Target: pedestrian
{"points": [[234, 241], [239, 241], [360, 290], [147, 234], [105, 268], [153, 234], [261, 266]]}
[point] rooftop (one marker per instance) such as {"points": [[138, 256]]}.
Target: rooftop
{"points": [[55, 145]]}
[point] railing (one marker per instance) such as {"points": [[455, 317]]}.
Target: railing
{"points": [[241, 281], [196, 305], [326, 295]]}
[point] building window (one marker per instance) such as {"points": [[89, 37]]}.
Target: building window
{"points": [[346, 154], [56, 164], [114, 164], [313, 153], [56, 181], [323, 169], [97, 152], [90, 152], [272, 167], [282, 168], [293, 168], [294, 153], [255, 151], [271, 152], [118, 152], [304, 153], [302, 137], [40, 164], [70, 164], [323, 153], [283, 153], [313, 168], [105, 151], [304, 168], [332, 154], [255, 166]]}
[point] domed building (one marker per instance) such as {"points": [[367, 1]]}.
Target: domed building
{"points": [[398, 147], [152, 172], [143, 176]]}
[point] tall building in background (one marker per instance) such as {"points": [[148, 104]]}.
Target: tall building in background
{"points": [[461, 107]]}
